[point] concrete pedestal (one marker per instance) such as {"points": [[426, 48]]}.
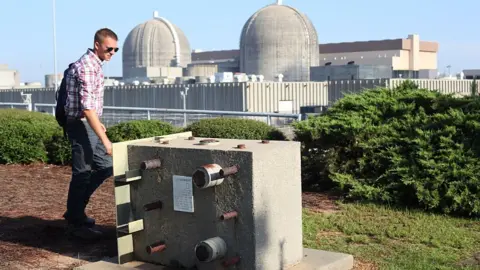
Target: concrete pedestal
{"points": [[208, 204]]}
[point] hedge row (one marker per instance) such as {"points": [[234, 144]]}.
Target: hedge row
{"points": [[406, 146], [28, 137]]}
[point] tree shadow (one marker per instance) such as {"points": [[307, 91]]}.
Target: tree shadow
{"points": [[50, 235]]}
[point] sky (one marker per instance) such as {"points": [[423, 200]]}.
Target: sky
{"points": [[27, 43]]}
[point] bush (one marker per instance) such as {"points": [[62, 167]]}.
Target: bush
{"points": [[28, 137], [405, 146], [234, 128], [139, 129]]}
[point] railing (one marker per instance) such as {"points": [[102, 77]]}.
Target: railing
{"points": [[12, 105], [175, 116]]}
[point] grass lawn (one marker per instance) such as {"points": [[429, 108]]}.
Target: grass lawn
{"points": [[394, 239]]}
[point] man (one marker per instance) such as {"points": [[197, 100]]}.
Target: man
{"points": [[91, 148]]}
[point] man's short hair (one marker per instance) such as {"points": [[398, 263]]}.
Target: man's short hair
{"points": [[101, 34]]}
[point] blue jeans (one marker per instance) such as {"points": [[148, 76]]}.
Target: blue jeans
{"points": [[91, 166]]}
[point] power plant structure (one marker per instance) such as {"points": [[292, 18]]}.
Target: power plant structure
{"points": [[277, 43]]}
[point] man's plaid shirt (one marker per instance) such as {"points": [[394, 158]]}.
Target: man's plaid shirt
{"points": [[85, 86]]}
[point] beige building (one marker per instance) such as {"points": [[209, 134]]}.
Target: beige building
{"points": [[404, 57], [8, 77]]}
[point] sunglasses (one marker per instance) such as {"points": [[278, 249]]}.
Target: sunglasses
{"points": [[110, 49]]}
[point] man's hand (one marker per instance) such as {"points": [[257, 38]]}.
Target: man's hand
{"points": [[108, 146], [99, 129]]}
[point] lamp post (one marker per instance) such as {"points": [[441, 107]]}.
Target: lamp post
{"points": [[55, 48], [184, 97]]}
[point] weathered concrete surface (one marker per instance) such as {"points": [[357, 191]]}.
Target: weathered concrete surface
{"points": [[266, 193]]}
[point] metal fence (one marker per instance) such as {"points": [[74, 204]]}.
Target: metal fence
{"points": [[177, 117], [13, 105]]}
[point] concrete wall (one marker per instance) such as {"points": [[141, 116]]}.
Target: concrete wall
{"points": [[361, 58], [349, 72], [201, 70], [276, 97]]}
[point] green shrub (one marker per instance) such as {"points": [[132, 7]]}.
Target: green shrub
{"points": [[234, 128], [28, 137], [404, 146], [139, 129]]}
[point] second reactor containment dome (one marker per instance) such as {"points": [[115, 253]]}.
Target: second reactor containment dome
{"points": [[156, 43], [279, 39]]}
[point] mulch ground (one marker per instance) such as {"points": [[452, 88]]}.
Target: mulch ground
{"points": [[32, 202]]}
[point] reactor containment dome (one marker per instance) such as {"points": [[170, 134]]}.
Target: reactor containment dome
{"points": [[156, 43], [279, 40]]}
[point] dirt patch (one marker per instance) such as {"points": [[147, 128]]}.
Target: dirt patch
{"points": [[360, 265], [320, 202], [32, 202], [474, 261]]}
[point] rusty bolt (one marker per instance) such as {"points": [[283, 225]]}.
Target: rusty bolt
{"points": [[157, 247], [191, 138], [230, 215], [229, 171], [241, 146], [231, 261], [265, 141], [151, 164]]}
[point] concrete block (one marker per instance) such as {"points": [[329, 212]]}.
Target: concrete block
{"points": [[191, 202]]}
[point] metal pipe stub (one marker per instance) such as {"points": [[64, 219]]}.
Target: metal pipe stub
{"points": [[151, 164], [224, 172], [156, 247], [153, 206], [207, 176], [229, 215], [210, 249]]}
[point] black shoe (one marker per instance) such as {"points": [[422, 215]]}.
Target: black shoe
{"points": [[89, 222], [83, 233]]}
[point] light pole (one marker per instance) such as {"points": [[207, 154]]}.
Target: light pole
{"points": [[184, 97], [55, 48]]}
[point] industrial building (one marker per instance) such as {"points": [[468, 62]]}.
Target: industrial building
{"points": [[155, 49], [50, 80], [8, 77], [405, 58], [471, 74], [277, 43]]}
